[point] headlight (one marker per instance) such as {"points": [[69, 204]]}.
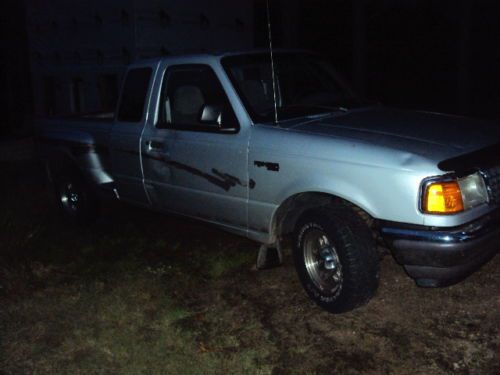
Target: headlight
{"points": [[474, 191], [449, 195]]}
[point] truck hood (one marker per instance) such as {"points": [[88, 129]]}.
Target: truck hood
{"points": [[431, 135]]}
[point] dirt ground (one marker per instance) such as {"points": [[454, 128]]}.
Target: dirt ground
{"points": [[140, 292]]}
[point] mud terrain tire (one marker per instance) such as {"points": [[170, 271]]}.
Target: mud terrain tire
{"points": [[336, 258]]}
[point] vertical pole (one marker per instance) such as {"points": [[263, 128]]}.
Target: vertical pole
{"points": [[359, 45], [272, 62]]}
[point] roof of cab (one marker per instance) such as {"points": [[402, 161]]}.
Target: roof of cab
{"points": [[212, 56]]}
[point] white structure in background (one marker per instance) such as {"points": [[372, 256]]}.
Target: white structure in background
{"points": [[81, 47]]}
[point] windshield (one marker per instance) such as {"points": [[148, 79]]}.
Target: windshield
{"points": [[305, 85]]}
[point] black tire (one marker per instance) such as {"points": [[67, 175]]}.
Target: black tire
{"points": [[75, 199], [336, 258]]}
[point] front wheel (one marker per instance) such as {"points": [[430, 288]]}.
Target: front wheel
{"points": [[336, 258]]}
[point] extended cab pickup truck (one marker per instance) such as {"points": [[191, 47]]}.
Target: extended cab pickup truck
{"points": [[289, 152]]}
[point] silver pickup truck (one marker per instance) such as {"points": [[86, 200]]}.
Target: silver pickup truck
{"points": [[289, 155]]}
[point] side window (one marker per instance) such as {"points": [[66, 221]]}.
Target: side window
{"points": [[134, 94], [190, 95]]}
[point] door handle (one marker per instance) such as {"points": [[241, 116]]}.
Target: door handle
{"points": [[154, 145]]}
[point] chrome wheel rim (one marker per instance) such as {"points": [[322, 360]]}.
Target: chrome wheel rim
{"points": [[322, 262], [70, 197]]}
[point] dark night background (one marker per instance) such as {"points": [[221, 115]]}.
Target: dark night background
{"points": [[438, 55]]}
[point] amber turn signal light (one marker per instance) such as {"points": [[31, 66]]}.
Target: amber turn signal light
{"points": [[443, 198]]}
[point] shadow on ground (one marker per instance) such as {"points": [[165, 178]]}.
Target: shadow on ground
{"points": [[140, 292]]}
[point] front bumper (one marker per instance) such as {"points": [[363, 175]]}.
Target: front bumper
{"points": [[444, 256]]}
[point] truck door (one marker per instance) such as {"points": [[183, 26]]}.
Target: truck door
{"points": [[126, 134], [206, 164]]}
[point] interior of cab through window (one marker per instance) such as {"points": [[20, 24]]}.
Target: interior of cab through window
{"points": [[186, 89]]}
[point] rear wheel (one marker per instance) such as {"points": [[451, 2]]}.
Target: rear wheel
{"points": [[76, 201], [336, 258]]}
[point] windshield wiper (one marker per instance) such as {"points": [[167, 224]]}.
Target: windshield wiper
{"points": [[308, 111], [320, 110], [326, 114]]}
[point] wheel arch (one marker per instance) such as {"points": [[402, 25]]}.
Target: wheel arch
{"points": [[292, 208]]}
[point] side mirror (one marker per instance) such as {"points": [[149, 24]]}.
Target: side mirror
{"points": [[211, 115]]}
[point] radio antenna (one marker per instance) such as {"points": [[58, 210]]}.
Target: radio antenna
{"points": [[272, 61]]}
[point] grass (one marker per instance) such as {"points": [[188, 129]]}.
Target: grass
{"points": [[223, 263], [127, 326], [117, 319]]}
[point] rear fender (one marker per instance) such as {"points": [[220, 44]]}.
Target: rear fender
{"points": [[75, 149]]}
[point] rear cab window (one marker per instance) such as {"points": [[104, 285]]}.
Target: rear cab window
{"points": [[134, 93]]}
